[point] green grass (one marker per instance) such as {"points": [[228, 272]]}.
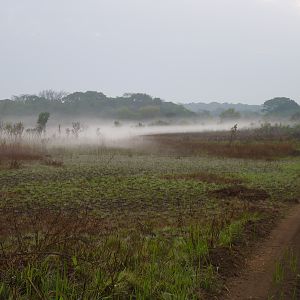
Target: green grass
{"points": [[116, 224], [286, 278], [119, 266]]}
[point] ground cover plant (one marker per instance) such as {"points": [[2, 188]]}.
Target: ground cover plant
{"points": [[286, 276], [91, 222]]}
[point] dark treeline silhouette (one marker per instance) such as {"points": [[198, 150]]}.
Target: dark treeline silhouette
{"points": [[138, 106], [93, 104], [279, 107]]}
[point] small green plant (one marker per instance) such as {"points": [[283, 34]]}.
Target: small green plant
{"points": [[278, 274], [293, 261]]}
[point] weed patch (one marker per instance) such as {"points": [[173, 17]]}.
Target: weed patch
{"points": [[204, 177], [242, 192]]}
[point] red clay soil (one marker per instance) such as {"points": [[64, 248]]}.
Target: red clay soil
{"points": [[256, 280]]}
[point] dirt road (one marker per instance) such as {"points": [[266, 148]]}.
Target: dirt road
{"points": [[256, 281]]}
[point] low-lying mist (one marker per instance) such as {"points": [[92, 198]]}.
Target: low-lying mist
{"points": [[26, 139], [116, 134]]}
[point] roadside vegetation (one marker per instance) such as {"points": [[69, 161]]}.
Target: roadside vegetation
{"points": [[286, 276]]}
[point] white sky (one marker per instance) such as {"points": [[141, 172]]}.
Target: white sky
{"points": [[180, 50]]}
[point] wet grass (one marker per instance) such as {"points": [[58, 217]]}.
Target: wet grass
{"points": [[115, 224], [67, 258]]}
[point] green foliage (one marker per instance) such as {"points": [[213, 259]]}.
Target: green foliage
{"points": [[116, 266], [278, 275], [93, 104], [230, 114], [125, 113], [148, 112], [280, 107], [296, 117], [286, 276], [215, 108], [234, 230], [204, 114]]}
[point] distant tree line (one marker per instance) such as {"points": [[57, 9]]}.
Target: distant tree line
{"points": [[137, 106], [93, 104], [275, 108]]}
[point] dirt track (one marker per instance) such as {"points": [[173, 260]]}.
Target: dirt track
{"points": [[256, 281]]}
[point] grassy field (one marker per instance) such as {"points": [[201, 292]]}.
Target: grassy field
{"points": [[89, 222]]}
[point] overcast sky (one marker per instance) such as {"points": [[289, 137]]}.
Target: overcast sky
{"points": [[180, 50]]}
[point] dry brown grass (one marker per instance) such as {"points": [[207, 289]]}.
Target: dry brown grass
{"points": [[42, 232], [186, 144], [17, 151]]}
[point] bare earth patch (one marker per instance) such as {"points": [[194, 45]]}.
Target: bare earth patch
{"points": [[256, 280]]}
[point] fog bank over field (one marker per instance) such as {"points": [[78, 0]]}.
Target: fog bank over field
{"points": [[95, 119], [114, 133], [125, 135]]}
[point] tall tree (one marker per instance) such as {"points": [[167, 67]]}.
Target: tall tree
{"points": [[280, 107]]}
